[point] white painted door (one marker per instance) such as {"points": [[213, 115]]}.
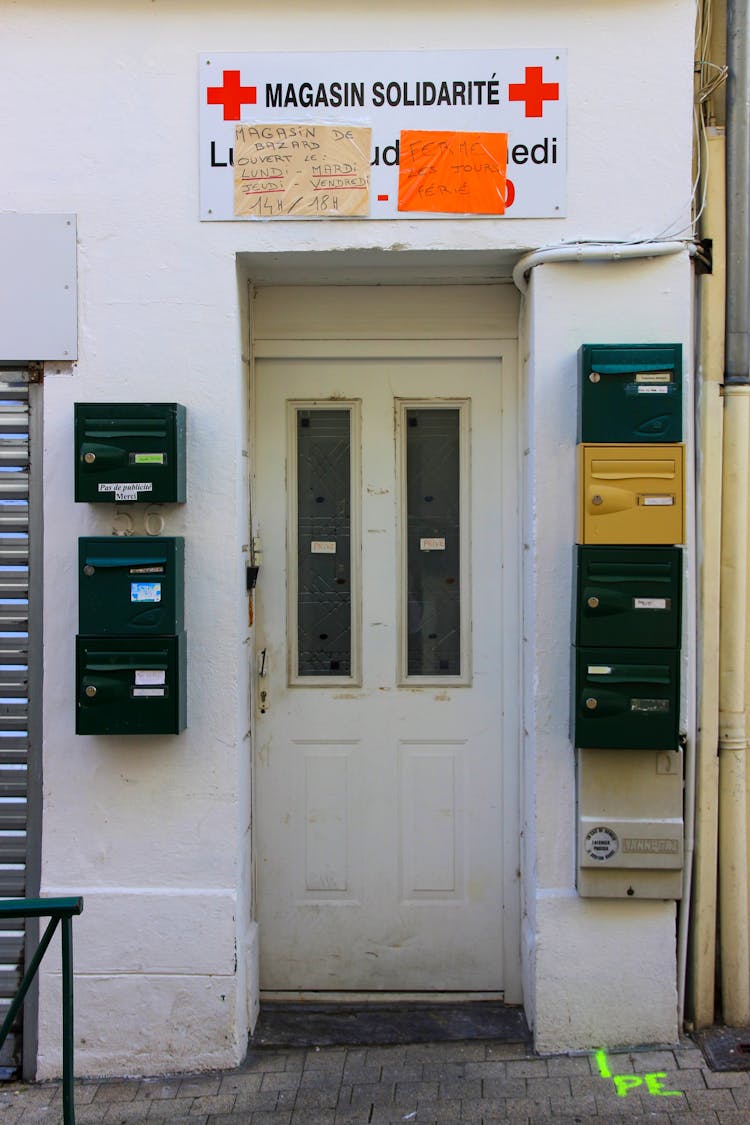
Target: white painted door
{"points": [[387, 634]]}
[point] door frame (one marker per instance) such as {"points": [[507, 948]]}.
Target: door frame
{"points": [[274, 336]]}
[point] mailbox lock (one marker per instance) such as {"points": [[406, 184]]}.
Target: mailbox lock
{"points": [[90, 691], [590, 703], [597, 499], [88, 570], [594, 377], [592, 602], [89, 458]]}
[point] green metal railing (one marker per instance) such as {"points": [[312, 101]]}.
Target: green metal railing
{"points": [[57, 910]]}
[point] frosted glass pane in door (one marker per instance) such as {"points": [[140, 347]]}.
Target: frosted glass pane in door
{"points": [[433, 618], [324, 603]]}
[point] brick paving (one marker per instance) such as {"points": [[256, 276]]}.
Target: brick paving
{"points": [[470, 1083]]}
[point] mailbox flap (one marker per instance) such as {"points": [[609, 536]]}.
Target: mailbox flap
{"points": [[630, 368], [614, 571], [627, 673], [105, 426], [612, 469], [125, 560], [113, 662]]}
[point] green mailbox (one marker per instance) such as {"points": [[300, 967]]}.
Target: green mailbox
{"points": [[130, 452], [630, 393], [626, 699], [629, 597], [131, 686], [131, 585]]}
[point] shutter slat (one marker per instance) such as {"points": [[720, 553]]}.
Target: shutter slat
{"points": [[11, 948], [10, 980], [13, 815], [14, 517], [14, 614], [12, 850], [12, 885]]}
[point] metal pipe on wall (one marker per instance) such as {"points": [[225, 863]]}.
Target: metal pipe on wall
{"points": [[734, 908], [712, 303]]}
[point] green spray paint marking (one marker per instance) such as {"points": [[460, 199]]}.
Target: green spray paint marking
{"points": [[623, 1083], [601, 1062]]}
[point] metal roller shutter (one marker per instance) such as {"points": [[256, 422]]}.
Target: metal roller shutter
{"points": [[19, 704]]}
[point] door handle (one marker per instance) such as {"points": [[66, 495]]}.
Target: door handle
{"points": [[263, 698]]}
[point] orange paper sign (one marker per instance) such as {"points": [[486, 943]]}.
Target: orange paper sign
{"points": [[462, 173]]}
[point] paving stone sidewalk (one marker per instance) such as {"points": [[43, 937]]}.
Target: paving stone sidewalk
{"points": [[463, 1083]]}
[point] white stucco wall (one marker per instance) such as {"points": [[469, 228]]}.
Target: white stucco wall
{"points": [[604, 969], [155, 833]]}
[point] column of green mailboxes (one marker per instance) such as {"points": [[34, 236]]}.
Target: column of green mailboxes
{"points": [[628, 563], [131, 650]]}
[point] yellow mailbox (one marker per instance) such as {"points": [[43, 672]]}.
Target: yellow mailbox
{"points": [[631, 494]]}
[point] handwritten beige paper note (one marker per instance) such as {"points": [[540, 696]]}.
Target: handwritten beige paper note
{"points": [[301, 171]]}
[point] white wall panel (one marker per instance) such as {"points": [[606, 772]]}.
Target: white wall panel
{"points": [[38, 288]]}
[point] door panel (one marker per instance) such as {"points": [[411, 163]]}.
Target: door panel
{"points": [[380, 810]]}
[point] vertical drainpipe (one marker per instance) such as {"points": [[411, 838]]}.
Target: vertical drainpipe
{"points": [[702, 944], [733, 877]]}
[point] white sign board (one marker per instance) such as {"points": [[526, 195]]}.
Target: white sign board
{"points": [[38, 288], [515, 94]]}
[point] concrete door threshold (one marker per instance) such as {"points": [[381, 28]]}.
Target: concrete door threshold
{"points": [[311, 1024]]}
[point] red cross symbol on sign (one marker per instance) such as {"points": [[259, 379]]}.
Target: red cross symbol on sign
{"points": [[534, 92], [232, 95]]}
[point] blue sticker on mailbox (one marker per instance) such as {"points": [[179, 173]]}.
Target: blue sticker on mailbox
{"points": [[145, 591]]}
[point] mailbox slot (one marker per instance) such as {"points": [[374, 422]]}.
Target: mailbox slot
{"points": [[129, 686], [130, 452], [629, 597], [131, 585], [630, 392], [626, 699], [631, 494]]}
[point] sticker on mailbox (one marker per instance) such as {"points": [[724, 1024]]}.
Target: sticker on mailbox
{"points": [[148, 676], [653, 377], [127, 491], [323, 547], [601, 843], [656, 501], [650, 706], [145, 591], [652, 603], [148, 692], [147, 458], [127, 486], [434, 544]]}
